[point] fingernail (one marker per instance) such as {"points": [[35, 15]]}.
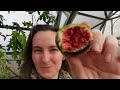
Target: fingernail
{"points": [[108, 57], [96, 47]]}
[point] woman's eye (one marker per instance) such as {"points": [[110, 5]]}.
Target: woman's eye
{"points": [[54, 49], [37, 51]]}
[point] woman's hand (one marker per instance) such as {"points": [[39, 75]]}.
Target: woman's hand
{"points": [[100, 62]]}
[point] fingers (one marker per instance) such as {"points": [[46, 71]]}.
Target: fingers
{"points": [[98, 40], [87, 24], [110, 48]]}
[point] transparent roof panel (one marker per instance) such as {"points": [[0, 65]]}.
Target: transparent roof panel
{"points": [[92, 21], [112, 26]]}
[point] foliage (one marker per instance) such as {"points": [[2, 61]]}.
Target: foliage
{"points": [[17, 43], [1, 19], [4, 69], [46, 17]]}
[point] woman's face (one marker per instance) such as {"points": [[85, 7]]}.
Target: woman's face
{"points": [[45, 54]]}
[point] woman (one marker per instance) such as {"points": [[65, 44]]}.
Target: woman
{"points": [[43, 59]]}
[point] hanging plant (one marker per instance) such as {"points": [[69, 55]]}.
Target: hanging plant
{"points": [[17, 43]]}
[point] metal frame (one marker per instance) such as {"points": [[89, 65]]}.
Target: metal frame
{"points": [[71, 16], [108, 16]]}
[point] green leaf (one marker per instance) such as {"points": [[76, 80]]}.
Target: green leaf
{"points": [[41, 17], [15, 24], [44, 19], [28, 24], [46, 12], [4, 69]]}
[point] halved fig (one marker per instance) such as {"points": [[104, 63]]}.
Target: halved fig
{"points": [[74, 39]]}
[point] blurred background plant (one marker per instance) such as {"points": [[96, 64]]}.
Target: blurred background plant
{"points": [[4, 69]]}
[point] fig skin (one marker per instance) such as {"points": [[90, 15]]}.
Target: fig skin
{"points": [[80, 50]]}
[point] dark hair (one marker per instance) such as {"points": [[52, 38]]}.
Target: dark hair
{"points": [[28, 65]]}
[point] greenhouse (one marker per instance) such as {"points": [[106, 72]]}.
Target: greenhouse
{"points": [[15, 27]]}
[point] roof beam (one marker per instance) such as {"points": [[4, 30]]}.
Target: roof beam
{"points": [[71, 17]]}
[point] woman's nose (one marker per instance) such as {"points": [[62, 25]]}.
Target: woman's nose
{"points": [[46, 57]]}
